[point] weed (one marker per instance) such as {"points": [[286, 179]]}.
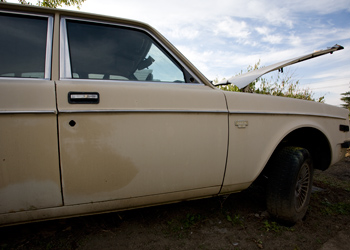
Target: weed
{"points": [[182, 226], [170, 222], [332, 182], [272, 226], [258, 243], [340, 208], [191, 220], [235, 220]]}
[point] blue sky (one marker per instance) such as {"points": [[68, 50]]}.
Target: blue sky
{"points": [[223, 37]]}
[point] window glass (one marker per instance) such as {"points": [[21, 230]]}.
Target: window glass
{"points": [[116, 53], [22, 46]]}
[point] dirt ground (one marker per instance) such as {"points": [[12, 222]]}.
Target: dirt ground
{"points": [[237, 221]]}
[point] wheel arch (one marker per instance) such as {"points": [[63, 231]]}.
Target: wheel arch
{"points": [[314, 141]]}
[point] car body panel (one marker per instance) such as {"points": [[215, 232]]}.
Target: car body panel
{"points": [[141, 139], [29, 165], [268, 120], [102, 207]]}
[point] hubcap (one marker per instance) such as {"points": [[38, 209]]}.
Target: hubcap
{"points": [[302, 187]]}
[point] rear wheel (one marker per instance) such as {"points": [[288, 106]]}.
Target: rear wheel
{"points": [[289, 184]]}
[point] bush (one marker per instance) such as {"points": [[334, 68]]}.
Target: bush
{"points": [[284, 85]]}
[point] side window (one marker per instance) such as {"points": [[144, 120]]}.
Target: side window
{"points": [[99, 51], [22, 45]]}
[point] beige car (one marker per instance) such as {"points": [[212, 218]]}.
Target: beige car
{"points": [[101, 114]]}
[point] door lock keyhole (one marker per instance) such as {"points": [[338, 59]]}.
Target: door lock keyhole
{"points": [[72, 123]]}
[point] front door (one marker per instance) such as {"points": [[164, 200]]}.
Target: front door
{"points": [[129, 123]]}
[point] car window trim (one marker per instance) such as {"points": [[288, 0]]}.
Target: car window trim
{"points": [[49, 42], [65, 62]]}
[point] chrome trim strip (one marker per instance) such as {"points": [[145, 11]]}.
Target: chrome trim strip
{"points": [[131, 81], [283, 113], [144, 111], [65, 68], [25, 13], [49, 43], [64, 46], [23, 79], [29, 112]]}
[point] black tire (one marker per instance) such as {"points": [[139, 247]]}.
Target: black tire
{"points": [[289, 184]]}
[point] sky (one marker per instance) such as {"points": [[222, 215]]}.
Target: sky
{"points": [[223, 37]]}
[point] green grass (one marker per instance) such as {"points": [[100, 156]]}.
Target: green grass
{"points": [[183, 225], [339, 208], [272, 226], [235, 219], [332, 182]]}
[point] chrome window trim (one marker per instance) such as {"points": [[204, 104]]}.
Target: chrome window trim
{"points": [[130, 81], [65, 67], [49, 42]]}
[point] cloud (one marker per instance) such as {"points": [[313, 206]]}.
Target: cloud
{"points": [[269, 35], [231, 28], [273, 39], [294, 40], [318, 6], [264, 30], [179, 32]]}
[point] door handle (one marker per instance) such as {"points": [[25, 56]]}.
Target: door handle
{"points": [[83, 98]]}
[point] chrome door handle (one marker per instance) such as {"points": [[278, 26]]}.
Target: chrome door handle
{"points": [[83, 97]]}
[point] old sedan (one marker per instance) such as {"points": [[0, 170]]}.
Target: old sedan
{"points": [[101, 114]]}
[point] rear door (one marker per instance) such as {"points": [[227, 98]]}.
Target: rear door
{"points": [[29, 168], [133, 121]]}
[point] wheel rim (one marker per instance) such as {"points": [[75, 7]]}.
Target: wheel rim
{"points": [[302, 187]]}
